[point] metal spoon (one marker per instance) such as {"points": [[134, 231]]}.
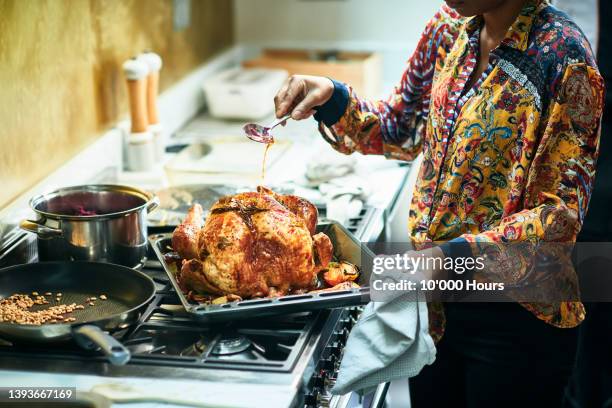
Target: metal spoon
{"points": [[261, 134]]}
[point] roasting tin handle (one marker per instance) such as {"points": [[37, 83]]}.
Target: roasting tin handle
{"points": [[89, 336], [40, 229]]}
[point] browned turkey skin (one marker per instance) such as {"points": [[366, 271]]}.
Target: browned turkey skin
{"points": [[253, 244]]}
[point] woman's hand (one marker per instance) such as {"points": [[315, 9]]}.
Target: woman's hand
{"points": [[300, 94]]}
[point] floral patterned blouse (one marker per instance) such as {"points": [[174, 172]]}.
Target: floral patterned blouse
{"points": [[511, 159]]}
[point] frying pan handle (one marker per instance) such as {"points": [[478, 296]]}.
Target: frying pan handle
{"points": [[89, 336], [153, 203], [39, 229]]}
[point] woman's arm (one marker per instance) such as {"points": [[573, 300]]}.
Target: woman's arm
{"points": [[394, 127]]}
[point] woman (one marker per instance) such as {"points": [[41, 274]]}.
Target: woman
{"points": [[504, 100]]}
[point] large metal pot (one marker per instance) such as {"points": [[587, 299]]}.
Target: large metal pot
{"points": [[102, 222]]}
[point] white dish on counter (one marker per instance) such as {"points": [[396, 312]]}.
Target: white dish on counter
{"points": [[243, 93]]}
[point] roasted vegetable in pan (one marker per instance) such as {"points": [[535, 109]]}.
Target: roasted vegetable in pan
{"points": [[339, 272]]}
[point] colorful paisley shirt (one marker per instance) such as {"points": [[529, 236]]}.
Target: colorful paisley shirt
{"points": [[512, 159]]}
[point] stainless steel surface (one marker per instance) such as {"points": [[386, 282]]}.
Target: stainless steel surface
{"points": [[326, 367], [93, 222], [366, 226], [175, 202], [346, 248], [9, 233], [370, 224], [21, 249], [341, 401], [374, 399], [378, 401]]}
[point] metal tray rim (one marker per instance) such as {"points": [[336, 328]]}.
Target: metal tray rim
{"points": [[320, 300]]}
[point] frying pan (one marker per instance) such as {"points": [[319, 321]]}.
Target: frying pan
{"points": [[128, 292]]}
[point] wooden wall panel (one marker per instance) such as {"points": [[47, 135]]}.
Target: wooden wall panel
{"points": [[60, 72]]}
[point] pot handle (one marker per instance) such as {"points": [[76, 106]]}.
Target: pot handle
{"points": [[39, 229], [152, 204], [89, 336]]}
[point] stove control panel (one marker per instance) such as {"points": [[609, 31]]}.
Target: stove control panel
{"points": [[318, 388]]}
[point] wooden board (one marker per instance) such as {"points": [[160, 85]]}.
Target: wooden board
{"points": [[361, 70]]}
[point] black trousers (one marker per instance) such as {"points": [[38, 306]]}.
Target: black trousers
{"points": [[496, 355], [591, 382]]}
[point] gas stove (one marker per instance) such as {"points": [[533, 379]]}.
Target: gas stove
{"points": [[298, 353], [295, 349]]}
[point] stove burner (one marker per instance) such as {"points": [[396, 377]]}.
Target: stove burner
{"points": [[231, 345]]}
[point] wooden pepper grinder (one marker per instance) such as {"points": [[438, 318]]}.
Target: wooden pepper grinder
{"points": [[140, 153], [154, 63]]}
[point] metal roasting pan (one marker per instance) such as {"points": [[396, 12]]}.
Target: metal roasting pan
{"points": [[346, 248]]}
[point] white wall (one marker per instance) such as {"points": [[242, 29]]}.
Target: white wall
{"points": [[390, 26]]}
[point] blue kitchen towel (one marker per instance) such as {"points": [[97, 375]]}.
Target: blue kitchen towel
{"points": [[390, 341]]}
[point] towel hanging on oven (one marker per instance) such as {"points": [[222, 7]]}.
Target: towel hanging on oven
{"points": [[390, 341]]}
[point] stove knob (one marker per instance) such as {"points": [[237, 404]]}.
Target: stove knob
{"points": [[312, 399], [318, 381], [329, 364], [355, 312], [338, 337], [330, 381], [337, 366], [343, 335], [349, 322], [324, 400], [335, 348]]}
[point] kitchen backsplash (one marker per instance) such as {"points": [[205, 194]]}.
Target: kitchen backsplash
{"points": [[60, 72]]}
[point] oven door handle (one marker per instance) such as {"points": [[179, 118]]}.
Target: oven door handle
{"points": [[353, 400]]}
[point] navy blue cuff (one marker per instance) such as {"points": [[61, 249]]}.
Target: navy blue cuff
{"points": [[456, 248], [332, 110]]}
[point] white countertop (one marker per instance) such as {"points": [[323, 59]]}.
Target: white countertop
{"points": [[152, 393]]}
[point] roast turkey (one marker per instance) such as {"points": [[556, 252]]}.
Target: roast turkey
{"points": [[252, 244]]}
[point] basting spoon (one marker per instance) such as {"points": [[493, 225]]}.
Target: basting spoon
{"points": [[261, 134]]}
